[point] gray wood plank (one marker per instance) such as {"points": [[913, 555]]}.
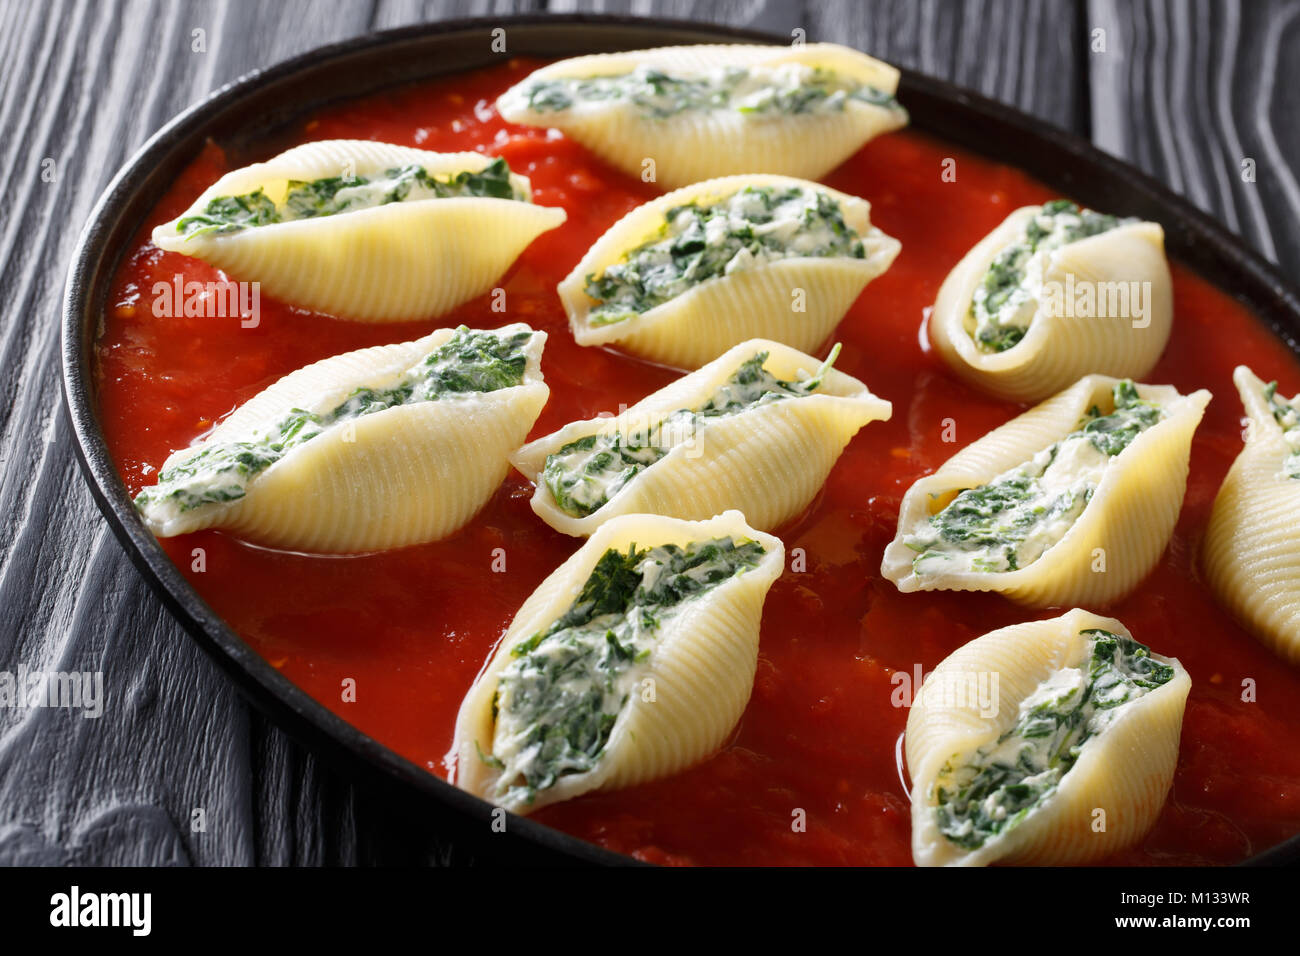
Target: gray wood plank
{"points": [[1189, 91], [1028, 53]]}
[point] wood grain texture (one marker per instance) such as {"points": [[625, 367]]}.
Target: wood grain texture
{"points": [[86, 83], [1027, 53], [1189, 90]]}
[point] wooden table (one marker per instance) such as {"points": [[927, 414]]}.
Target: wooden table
{"points": [[1189, 91]]}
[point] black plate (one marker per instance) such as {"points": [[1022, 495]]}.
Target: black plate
{"points": [[257, 108]]}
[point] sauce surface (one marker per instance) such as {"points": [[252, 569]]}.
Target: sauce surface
{"points": [[412, 627]]}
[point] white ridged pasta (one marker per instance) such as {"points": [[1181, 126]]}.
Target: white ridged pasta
{"points": [[1251, 551], [1124, 771], [797, 300], [1058, 347], [1119, 536], [769, 461], [695, 145], [404, 475], [701, 667], [394, 262]]}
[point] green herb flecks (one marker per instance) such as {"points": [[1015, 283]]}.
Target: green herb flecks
{"points": [[586, 473], [696, 243], [1004, 302], [1001, 784], [1287, 415], [468, 362], [558, 699], [1008, 523], [788, 90], [338, 194]]}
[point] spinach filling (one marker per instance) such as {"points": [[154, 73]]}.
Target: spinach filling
{"points": [[336, 194], [1004, 303], [999, 785], [788, 90], [756, 225], [469, 362], [559, 697], [1287, 415], [1008, 523], [585, 474]]}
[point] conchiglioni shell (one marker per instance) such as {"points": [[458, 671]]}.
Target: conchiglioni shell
{"points": [[769, 462], [1251, 552], [396, 262], [1125, 771], [699, 145], [402, 476], [702, 665], [702, 323], [1059, 348], [1123, 530]]}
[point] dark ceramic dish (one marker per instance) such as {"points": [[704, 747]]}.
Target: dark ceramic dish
{"points": [[254, 109]]}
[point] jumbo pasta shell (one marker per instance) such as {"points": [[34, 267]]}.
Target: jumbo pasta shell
{"points": [[769, 461], [1059, 346], [1251, 552], [695, 145], [759, 302], [405, 475], [702, 666], [1117, 539], [395, 262], [1125, 771]]}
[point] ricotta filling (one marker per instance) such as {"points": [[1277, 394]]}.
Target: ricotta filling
{"points": [[1005, 302], [989, 792], [1012, 520], [217, 473], [557, 701], [751, 227], [583, 475], [788, 89], [343, 194], [1286, 412]]}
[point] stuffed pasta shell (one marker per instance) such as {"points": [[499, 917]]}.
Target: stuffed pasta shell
{"points": [[378, 448], [686, 276], [363, 230], [1072, 502], [1053, 293], [757, 429], [682, 114], [1251, 551], [632, 661], [1066, 757]]}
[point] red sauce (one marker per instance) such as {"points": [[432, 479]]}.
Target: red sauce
{"points": [[412, 627]]}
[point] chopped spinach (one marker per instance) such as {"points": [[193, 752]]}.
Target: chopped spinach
{"points": [[1009, 522], [788, 90], [994, 789], [583, 475], [470, 361], [337, 194], [1287, 415], [696, 243], [1003, 304], [558, 699]]}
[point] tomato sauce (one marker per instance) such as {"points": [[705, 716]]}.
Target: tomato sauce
{"points": [[412, 627]]}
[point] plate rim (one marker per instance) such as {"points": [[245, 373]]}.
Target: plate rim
{"points": [[322, 731]]}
